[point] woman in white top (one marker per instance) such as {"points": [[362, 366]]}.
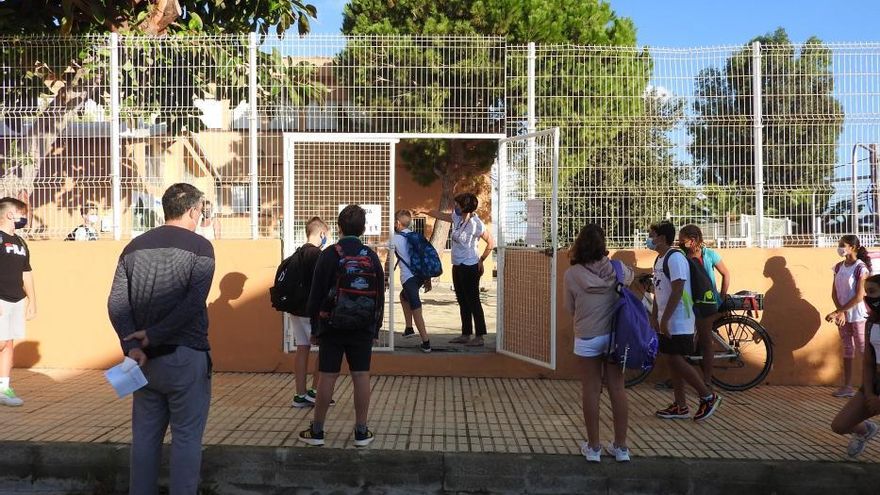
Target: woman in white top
{"points": [[467, 266], [208, 227], [850, 314], [865, 404]]}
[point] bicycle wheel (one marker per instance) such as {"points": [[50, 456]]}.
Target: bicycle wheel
{"points": [[749, 358], [634, 377]]}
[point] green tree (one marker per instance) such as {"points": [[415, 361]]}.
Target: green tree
{"points": [[802, 122], [565, 97], [48, 81]]}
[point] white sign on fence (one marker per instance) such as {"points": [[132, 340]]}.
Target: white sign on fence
{"points": [[534, 222], [374, 219]]}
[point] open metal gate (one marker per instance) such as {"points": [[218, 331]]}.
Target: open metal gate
{"points": [[527, 209], [323, 174]]}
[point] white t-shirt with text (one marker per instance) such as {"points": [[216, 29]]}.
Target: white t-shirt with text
{"points": [[465, 236], [682, 320]]}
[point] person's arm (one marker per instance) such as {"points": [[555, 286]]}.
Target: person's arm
{"points": [[27, 279], [569, 292], [439, 215], [490, 245], [725, 278], [380, 300], [192, 302], [119, 309], [321, 279]]}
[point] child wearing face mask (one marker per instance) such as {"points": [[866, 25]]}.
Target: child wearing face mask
{"points": [[850, 314], [87, 231], [854, 418]]}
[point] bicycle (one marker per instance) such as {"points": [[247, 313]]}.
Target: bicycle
{"points": [[743, 347]]}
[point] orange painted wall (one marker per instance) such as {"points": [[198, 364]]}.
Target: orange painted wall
{"points": [[72, 330]]}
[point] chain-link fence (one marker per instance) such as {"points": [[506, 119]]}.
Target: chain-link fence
{"points": [[760, 145]]}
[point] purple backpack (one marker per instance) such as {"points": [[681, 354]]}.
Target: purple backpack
{"points": [[633, 340]]}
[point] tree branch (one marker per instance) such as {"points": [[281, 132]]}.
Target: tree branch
{"points": [[163, 14]]}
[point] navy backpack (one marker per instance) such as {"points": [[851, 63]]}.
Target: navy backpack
{"points": [[633, 340]]}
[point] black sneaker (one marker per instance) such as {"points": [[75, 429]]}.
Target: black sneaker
{"points": [[408, 332], [360, 440], [426, 346], [313, 438], [707, 408]]}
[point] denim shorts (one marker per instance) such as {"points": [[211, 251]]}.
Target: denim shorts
{"points": [[410, 292]]}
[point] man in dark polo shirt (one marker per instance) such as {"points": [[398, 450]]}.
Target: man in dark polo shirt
{"points": [[157, 307], [17, 297]]}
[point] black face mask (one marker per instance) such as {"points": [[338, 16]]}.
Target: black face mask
{"points": [[873, 303]]}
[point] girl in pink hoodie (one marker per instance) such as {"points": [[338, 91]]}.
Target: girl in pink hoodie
{"points": [[591, 296]]}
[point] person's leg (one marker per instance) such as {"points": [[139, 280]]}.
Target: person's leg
{"points": [[414, 303], [619, 405], [361, 383], [458, 281], [846, 334], [689, 375], [326, 384], [6, 360], [707, 347], [12, 321], [407, 311], [591, 389], [149, 421], [852, 417], [476, 306], [301, 368], [189, 404]]}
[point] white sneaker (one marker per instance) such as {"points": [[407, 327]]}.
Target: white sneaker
{"points": [[619, 453], [858, 443], [8, 398], [590, 454]]}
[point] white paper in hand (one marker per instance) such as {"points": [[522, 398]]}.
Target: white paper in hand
{"points": [[126, 377]]}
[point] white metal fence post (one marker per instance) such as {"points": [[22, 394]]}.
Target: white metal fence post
{"points": [[253, 142], [758, 140], [531, 120], [115, 141]]}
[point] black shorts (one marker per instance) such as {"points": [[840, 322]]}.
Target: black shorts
{"points": [[677, 345], [358, 351]]}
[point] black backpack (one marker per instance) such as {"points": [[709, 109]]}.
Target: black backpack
{"points": [[706, 300], [355, 297], [291, 292]]}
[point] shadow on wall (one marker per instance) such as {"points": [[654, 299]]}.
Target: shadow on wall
{"points": [[27, 354], [241, 336], [791, 320]]}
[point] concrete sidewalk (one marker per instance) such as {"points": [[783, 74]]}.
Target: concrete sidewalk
{"points": [[447, 415]]}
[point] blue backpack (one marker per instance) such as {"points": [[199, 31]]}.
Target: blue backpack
{"points": [[424, 262], [633, 340]]}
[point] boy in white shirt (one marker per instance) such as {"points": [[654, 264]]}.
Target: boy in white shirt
{"points": [[409, 295], [673, 318]]}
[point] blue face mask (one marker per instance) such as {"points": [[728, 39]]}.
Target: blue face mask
{"points": [[650, 244], [21, 223], [323, 242], [457, 211]]}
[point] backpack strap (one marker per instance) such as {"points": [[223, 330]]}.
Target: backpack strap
{"points": [[618, 271], [666, 261]]}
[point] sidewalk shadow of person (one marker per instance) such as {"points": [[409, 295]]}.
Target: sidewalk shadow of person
{"points": [[789, 318], [27, 381]]}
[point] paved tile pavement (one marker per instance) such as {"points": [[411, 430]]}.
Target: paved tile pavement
{"points": [[446, 414]]}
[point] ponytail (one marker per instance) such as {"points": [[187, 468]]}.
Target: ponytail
{"points": [[862, 254]]}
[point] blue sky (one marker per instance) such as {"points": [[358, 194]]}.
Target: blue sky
{"points": [[680, 23]]}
